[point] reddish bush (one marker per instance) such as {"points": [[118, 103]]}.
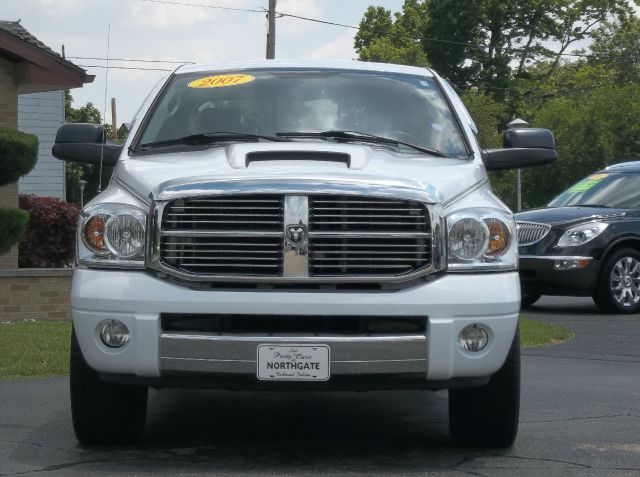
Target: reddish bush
{"points": [[50, 238]]}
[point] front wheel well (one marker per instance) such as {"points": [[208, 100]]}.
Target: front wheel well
{"points": [[629, 242]]}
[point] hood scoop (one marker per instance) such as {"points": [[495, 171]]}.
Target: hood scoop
{"points": [[322, 156], [306, 155]]}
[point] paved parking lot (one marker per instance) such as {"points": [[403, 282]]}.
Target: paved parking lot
{"points": [[580, 416]]}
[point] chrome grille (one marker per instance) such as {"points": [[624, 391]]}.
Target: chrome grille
{"points": [[346, 238], [224, 213], [531, 232], [351, 235], [233, 236], [355, 214]]}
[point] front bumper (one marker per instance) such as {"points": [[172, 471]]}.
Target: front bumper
{"points": [[539, 275], [449, 303]]}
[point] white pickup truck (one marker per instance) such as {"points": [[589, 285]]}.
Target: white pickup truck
{"points": [[283, 225]]}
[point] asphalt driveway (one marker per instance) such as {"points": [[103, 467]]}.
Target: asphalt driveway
{"points": [[580, 416]]}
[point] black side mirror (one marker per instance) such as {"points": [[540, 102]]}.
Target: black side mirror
{"points": [[85, 143], [524, 147]]}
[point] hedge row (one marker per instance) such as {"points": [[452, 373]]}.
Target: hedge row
{"points": [[50, 238]]}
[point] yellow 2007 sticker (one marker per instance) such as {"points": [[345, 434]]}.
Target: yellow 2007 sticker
{"points": [[221, 81]]}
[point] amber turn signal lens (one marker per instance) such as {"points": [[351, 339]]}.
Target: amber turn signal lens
{"points": [[498, 237], [94, 233]]}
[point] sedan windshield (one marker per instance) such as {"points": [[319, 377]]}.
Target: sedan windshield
{"points": [[272, 103], [616, 190]]}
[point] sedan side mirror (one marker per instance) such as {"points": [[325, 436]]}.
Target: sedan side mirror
{"points": [[85, 143], [523, 147]]}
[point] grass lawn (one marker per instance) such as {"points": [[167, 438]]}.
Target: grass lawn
{"points": [[42, 348], [537, 333], [34, 348]]}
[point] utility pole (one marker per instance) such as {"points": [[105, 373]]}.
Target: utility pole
{"points": [[114, 124], [271, 34]]}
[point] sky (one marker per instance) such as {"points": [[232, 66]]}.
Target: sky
{"points": [[141, 29]]}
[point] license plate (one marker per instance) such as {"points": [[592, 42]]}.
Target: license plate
{"points": [[293, 362]]}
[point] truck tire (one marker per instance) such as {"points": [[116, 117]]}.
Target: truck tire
{"points": [[488, 415], [103, 413], [618, 288]]}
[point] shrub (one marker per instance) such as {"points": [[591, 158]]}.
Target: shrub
{"points": [[12, 225], [18, 154], [49, 241]]}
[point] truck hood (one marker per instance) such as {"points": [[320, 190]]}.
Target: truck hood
{"points": [[440, 179]]}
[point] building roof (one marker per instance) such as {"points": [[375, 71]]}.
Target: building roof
{"points": [[16, 29], [47, 69]]}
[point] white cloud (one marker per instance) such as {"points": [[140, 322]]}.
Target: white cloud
{"points": [[305, 8], [58, 4], [163, 16], [339, 49]]}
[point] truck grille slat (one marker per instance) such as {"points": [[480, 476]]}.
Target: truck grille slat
{"points": [[246, 236]]}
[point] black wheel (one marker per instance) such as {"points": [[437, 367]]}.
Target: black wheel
{"points": [[104, 413], [618, 288], [488, 415], [529, 299]]}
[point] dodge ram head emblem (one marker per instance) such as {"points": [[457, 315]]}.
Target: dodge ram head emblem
{"points": [[296, 234]]}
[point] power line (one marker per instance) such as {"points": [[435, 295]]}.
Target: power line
{"points": [[123, 68], [128, 59], [214, 7], [316, 20]]}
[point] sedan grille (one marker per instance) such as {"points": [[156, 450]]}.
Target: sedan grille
{"points": [[294, 238], [531, 232]]}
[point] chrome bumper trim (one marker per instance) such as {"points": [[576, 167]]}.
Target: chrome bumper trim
{"points": [[357, 355], [555, 257]]}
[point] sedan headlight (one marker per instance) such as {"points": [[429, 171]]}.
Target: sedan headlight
{"points": [[112, 235], [481, 239], [581, 234]]}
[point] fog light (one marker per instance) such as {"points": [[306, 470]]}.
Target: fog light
{"points": [[570, 264], [113, 333], [474, 338]]}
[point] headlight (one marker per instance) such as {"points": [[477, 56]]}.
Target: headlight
{"points": [[481, 239], [112, 235], [581, 234]]}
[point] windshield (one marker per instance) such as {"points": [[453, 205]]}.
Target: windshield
{"points": [[618, 190], [267, 102]]}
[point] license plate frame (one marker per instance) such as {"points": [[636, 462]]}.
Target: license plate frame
{"points": [[293, 362]]}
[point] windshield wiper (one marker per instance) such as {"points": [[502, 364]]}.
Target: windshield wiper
{"points": [[210, 138], [360, 136]]}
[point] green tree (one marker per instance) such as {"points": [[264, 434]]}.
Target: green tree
{"points": [[617, 46], [383, 39], [484, 43]]}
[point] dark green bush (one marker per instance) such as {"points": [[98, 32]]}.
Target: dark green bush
{"points": [[18, 154], [50, 239], [13, 223]]}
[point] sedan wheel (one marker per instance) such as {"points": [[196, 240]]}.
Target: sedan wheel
{"points": [[619, 285], [625, 281]]}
